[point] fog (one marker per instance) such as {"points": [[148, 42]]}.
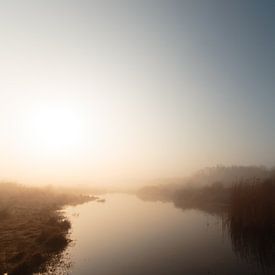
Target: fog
{"points": [[137, 137], [92, 91]]}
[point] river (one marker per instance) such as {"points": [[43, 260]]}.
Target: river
{"points": [[128, 236]]}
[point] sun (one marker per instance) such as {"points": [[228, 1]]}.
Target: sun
{"points": [[54, 129]]}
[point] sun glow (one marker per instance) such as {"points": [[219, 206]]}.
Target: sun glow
{"points": [[54, 129]]}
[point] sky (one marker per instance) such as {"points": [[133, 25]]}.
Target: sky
{"points": [[112, 90]]}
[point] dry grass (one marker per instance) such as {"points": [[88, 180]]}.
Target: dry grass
{"points": [[247, 209], [31, 230], [214, 198], [251, 220], [253, 204]]}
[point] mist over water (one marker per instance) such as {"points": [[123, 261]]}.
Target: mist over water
{"points": [[126, 235], [98, 98]]}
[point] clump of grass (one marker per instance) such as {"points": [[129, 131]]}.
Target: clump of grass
{"points": [[251, 220], [32, 231], [253, 204], [212, 199], [53, 236]]}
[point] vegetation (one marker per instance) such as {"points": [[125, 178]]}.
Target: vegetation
{"points": [[251, 220], [32, 231], [247, 207], [228, 176], [208, 188]]}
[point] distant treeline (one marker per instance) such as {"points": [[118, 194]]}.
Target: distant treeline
{"points": [[229, 175], [206, 183]]}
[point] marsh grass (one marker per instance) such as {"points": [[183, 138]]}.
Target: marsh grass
{"points": [[214, 198], [251, 220], [247, 209], [252, 204], [4, 213], [32, 231]]}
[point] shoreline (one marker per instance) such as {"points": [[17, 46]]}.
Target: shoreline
{"points": [[33, 230]]}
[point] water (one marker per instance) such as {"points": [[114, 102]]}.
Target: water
{"points": [[128, 236]]}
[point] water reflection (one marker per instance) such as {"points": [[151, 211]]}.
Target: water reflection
{"points": [[128, 236], [250, 242], [253, 244]]}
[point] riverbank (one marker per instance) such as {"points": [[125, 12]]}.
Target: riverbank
{"points": [[247, 209], [239, 199], [32, 229], [214, 198]]}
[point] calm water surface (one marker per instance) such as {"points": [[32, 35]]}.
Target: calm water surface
{"points": [[128, 236]]}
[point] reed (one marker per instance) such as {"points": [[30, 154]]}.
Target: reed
{"points": [[251, 220], [32, 231]]}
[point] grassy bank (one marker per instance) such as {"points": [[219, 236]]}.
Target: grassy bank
{"points": [[213, 198], [32, 231], [250, 198], [247, 209]]}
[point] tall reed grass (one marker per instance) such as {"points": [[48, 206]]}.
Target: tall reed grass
{"points": [[251, 220]]}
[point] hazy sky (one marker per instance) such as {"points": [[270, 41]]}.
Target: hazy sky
{"points": [[134, 89]]}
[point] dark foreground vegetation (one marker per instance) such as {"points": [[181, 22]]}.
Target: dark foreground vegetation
{"points": [[247, 208], [32, 230], [251, 221]]}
